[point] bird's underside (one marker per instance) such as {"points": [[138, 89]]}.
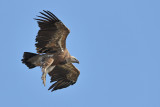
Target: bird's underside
{"points": [[52, 55]]}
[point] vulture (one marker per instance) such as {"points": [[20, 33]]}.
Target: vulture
{"points": [[52, 55]]}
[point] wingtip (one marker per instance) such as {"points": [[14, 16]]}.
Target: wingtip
{"points": [[46, 11], [51, 90]]}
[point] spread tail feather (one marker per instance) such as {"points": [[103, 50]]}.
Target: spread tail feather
{"points": [[26, 57]]}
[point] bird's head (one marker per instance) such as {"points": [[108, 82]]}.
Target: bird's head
{"points": [[74, 60]]}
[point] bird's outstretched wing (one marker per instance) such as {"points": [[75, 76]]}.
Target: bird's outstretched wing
{"points": [[52, 34], [63, 76]]}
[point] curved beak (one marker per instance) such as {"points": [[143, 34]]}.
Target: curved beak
{"points": [[77, 62], [74, 60]]}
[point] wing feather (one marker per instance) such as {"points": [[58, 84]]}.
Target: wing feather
{"points": [[63, 76], [52, 34]]}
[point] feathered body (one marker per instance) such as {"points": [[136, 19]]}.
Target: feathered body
{"points": [[52, 55]]}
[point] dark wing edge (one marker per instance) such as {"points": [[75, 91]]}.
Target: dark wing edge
{"points": [[47, 19], [52, 34], [63, 76]]}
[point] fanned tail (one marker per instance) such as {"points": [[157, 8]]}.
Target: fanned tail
{"points": [[26, 57]]}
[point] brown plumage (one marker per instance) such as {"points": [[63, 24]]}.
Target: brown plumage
{"points": [[52, 34], [63, 76], [53, 56]]}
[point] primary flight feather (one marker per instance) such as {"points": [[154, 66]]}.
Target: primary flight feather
{"points": [[52, 55]]}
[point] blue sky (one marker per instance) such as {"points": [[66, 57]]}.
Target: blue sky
{"points": [[116, 42]]}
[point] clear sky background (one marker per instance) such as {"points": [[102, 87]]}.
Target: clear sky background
{"points": [[116, 41]]}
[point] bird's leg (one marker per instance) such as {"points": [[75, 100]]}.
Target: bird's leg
{"points": [[50, 68], [44, 76], [45, 65]]}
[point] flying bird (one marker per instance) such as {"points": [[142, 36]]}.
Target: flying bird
{"points": [[52, 55]]}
